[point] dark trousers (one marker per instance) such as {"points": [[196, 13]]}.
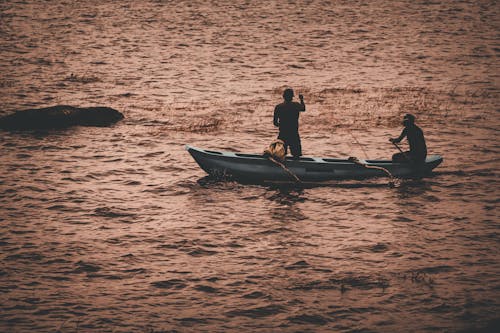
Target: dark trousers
{"points": [[292, 141], [408, 157]]}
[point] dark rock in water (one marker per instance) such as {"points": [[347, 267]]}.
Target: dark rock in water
{"points": [[60, 116]]}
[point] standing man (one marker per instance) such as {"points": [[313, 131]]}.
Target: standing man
{"points": [[286, 117], [416, 140]]}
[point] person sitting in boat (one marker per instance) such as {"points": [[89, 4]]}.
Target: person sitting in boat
{"points": [[416, 140], [286, 117]]}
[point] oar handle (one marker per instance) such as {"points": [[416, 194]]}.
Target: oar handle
{"points": [[399, 148], [402, 152]]}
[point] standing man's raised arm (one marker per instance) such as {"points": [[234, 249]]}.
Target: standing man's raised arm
{"points": [[301, 97]]}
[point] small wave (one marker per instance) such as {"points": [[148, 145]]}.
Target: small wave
{"points": [[133, 183], [234, 245], [199, 252], [136, 270], [153, 154], [258, 312], [31, 256], [254, 294], [85, 267], [437, 269], [402, 219], [113, 160], [206, 289], [315, 284], [298, 265], [169, 284], [478, 173], [344, 283], [192, 320], [274, 231], [308, 319], [111, 212], [363, 282], [56, 277], [379, 247], [57, 261]]}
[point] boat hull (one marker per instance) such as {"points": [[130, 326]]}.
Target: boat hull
{"points": [[254, 167]]}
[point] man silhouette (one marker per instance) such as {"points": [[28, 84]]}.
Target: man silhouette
{"points": [[286, 117], [416, 140]]}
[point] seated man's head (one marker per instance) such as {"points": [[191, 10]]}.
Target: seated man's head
{"points": [[408, 119], [288, 94]]}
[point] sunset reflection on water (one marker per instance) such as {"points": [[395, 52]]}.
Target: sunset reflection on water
{"points": [[117, 229]]}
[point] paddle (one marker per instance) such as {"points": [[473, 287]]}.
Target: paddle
{"points": [[276, 153], [294, 176], [399, 148], [402, 152]]}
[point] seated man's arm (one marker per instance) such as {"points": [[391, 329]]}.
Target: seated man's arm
{"points": [[400, 137], [276, 120]]}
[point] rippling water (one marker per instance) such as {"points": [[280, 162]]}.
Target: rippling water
{"points": [[118, 230]]}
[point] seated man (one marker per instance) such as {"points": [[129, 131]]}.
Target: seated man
{"points": [[416, 140], [286, 117]]}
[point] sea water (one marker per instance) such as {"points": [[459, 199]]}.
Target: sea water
{"points": [[118, 229]]}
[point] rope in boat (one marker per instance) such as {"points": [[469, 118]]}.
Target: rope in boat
{"points": [[355, 160], [358, 162]]}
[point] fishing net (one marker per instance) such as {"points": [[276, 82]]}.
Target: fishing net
{"points": [[276, 150]]}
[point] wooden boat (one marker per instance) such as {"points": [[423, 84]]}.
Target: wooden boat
{"points": [[257, 168]]}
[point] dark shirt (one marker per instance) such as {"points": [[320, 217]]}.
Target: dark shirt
{"points": [[416, 141], [286, 116]]}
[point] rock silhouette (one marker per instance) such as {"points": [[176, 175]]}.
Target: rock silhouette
{"points": [[60, 116]]}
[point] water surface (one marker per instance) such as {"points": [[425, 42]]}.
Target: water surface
{"points": [[118, 230]]}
